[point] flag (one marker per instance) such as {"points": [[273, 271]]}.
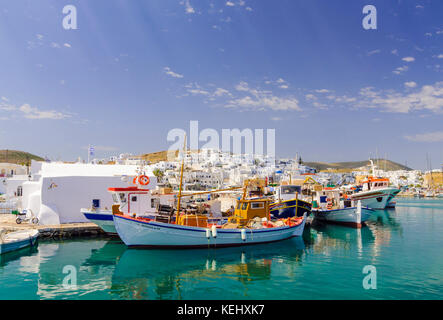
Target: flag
{"points": [[91, 150]]}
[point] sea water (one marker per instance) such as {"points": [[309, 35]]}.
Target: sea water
{"points": [[402, 246]]}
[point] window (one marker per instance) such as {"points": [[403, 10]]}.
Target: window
{"points": [[134, 198], [19, 191], [244, 206], [290, 189], [114, 198], [257, 205], [239, 205], [122, 197]]}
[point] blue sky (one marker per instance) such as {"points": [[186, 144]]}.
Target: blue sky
{"points": [[133, 70]]}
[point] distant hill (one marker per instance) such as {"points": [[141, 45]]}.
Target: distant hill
{"points": [[159, 156], [384, 164], [18, 157]]}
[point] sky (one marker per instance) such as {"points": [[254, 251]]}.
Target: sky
{"points": [[134, 70]]}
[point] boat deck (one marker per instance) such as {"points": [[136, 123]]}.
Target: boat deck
{"points": [[68, 230]]}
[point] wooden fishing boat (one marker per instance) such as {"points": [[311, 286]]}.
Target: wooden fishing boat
{"points": [[11, 241], [250, 224]]}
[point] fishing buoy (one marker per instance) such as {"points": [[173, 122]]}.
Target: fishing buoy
{"points": [[214, 231], [208, 233], [243, 234]]}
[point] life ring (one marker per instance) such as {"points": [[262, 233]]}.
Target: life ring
{"points": [[143, 180]]}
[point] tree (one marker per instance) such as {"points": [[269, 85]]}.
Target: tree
{"points": [[158, 174]]}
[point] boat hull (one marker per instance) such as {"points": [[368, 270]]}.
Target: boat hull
{"points": [[102, 218], [24, 239], [376, 199], [152, 234], [290, 208], [347, 216]]}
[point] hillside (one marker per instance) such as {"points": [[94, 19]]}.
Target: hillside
{"points": [[18, 157], [158, 156], [352, 165]]}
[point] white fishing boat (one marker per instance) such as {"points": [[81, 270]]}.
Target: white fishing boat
{"points": [[375, 193], [11, 241], [329, 206], [249, 225], [136, 199]]}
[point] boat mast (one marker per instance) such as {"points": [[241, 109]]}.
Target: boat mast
{"points": [[181, 178]]}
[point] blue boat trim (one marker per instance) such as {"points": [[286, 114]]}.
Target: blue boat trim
{"points": [[100, 217]]}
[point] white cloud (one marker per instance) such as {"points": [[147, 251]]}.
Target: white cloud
{"points": [[410, 84], [67, 45], [440, 56], [171, 73], [39, 36], [429, 97], [409, 59], [370, 53], [220, 92], [248, 9], [284, 86], [34, 113], [261, 100], [276, 119], [230, 4], [426, 137], [395, 52], [400, 70], [322, 90], [5, 99], [55, 45], [188, 8]]}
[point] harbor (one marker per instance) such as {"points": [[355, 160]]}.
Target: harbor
{"points": [[228, 151], [326, 263]]}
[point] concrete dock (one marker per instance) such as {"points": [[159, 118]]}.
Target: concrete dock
{"points": [[69, 230]]}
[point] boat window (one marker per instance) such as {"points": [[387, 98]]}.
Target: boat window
{"points": [[122, 197], [257, 205], [239, 205], [244, 206], [134, 198], [290, 189], [115, 198]]}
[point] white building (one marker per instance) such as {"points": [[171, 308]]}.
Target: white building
{"points": [[57, 191]]}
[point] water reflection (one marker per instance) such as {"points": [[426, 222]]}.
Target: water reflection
{"points": [[159, 274], [106, 268]]}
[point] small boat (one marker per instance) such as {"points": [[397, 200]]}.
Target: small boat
{"points": [[329, 207], [375, 193], [132, 199], [250, 224], [288, 202], [11, 241]]}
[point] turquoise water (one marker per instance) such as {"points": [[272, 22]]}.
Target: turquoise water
{"points": [[405, 246]]}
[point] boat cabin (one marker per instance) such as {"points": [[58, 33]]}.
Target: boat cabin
{"points": [[133, 200], [375, 183], [287, 192], [248, 209]]}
